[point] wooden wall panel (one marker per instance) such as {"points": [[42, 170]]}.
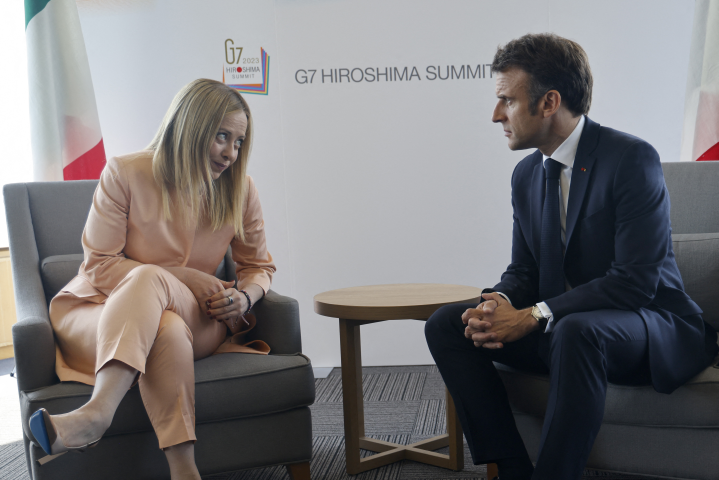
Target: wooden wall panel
{"points": [[8, 316]]}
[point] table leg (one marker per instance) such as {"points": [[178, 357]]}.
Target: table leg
{"points": [[353, 406], [353, 401], [454, 432]]}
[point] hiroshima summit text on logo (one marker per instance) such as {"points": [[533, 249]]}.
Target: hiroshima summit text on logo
{"points": [[394, 74]]}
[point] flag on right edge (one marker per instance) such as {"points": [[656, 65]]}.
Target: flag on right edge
{"points": [[700, 138]]}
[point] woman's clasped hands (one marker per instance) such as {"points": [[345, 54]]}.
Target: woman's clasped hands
{"points": [[229, 306], [219, 299]]}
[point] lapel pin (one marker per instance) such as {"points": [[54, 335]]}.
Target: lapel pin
{"points": [[583, 169]]}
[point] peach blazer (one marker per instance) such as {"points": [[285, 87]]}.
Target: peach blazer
{"points": [[126, 228]]}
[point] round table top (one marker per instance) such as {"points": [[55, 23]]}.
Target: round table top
{"points": [[392, 302]]}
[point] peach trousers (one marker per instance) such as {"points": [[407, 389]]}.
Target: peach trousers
{"points": [[151, 321]]}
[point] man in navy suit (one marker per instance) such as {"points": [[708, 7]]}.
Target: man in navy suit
{"points": [[592, 293]]}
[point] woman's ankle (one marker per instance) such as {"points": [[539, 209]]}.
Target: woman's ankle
{"points": [[96, 417], [181, 459]]}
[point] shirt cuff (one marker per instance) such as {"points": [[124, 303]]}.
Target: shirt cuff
{"points": [[546, 313], [504, 297]]}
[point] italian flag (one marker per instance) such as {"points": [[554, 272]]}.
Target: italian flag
{"points": [[65, 128], [700, 139]]}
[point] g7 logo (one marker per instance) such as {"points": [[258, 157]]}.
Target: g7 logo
{"points": [[230, 52]]}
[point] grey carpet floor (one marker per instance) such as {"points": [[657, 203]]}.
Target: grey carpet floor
{"points": [[402, 405]]}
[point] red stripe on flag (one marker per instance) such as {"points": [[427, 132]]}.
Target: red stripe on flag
{"points": [[711, 154], [87, 166]]}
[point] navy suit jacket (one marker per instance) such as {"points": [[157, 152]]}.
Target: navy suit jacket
{"points": [[618, 249]]}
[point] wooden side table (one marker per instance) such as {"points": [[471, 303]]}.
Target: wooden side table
{"points": [[358, 306]]}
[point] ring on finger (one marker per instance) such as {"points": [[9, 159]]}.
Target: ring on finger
{"points": [[231, 301]]}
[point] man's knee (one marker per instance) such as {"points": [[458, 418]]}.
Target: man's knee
{"points": [[447, 320], [576, 328]]}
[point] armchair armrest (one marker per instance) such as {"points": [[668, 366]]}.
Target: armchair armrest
{"points": [[33, 338], [34, 345], [278, 323]]}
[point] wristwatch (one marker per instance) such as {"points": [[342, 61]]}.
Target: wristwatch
{"points": [[539, 317]]}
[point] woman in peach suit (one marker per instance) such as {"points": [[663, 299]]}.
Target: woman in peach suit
{"points": [[145, 303]]}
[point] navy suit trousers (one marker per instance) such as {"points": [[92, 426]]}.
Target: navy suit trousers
{"points": [[583, 352]]}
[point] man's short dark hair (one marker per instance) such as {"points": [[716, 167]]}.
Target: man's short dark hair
{"points": [[553, 63]]}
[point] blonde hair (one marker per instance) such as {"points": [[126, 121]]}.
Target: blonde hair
{"points": [[181, 160]]}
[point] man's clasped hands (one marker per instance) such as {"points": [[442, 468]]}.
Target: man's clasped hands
{"points": [[495, 322]]}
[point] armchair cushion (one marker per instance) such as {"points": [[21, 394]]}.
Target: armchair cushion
{"points": [[228, 385], [697, 256], [691, 406]]}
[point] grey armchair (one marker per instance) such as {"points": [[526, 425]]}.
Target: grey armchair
{"points": [[251, 410], [644, 432]]}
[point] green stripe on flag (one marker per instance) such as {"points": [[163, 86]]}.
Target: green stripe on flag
{"points": [[32, 8]]}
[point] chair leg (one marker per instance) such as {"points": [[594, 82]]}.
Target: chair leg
{"points": [[299, 471], [492, 471]]}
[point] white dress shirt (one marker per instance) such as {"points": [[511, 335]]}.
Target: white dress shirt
{"points": [[564, 154]]}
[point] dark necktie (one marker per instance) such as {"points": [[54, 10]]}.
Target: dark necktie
{"points": [[551, 274]]}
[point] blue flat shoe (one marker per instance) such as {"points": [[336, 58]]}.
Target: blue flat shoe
{"points": [[46, 435]]}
